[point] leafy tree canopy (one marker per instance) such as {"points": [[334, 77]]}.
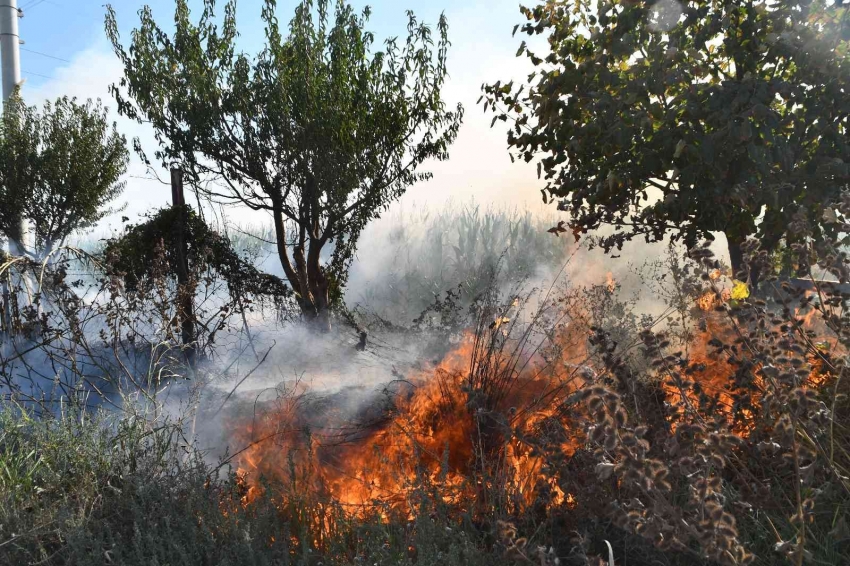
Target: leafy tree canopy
{"points": [[60, 168], [683, 118], [316, 129]]}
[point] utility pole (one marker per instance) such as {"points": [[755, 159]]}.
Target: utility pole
{"points": [[10, 58], [185, 296], [10, 46]]}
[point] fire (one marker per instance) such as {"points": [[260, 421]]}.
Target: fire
{"points": [[707, 300], [807, 318], [450, 431], [712, 373], [474, 425]]}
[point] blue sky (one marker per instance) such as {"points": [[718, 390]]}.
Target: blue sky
{"points": [[62, 28], [74, 58]]}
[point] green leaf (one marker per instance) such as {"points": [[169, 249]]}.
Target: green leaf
{"points": [[707, 149], [775, 94]]}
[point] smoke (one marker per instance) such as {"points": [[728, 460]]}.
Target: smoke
{"points": [[406, 261]]}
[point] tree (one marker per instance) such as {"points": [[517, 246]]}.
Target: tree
{"points": [[316, 130], [81, 162], [59, 169], [20, 136], [682, 119]]}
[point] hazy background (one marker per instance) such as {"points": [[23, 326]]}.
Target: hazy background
{"points": [[66, 53]]}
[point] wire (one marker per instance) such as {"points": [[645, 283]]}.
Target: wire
{"points": [[37, 74], [147, 179], [35, 3], [44, 54], [30, 6]]}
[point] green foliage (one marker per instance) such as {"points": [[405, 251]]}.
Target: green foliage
{"points": [[19, 140], [316, 129], [59, 168], [683, 118], [134, 255]]}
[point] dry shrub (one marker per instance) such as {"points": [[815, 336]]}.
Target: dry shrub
{"points": [[736, 454]]}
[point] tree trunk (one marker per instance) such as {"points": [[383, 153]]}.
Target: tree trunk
{"points": [[750, 273], [5, 310], [305, 275], [736, 256], [753, 271], [319, 285], [13, 301], [15, 236]]}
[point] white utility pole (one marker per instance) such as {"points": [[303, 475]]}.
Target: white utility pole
{"points": [[10, 46], [10, 57]]}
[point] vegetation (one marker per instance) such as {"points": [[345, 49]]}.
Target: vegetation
{"points": [[316, 130], [59, 169], [455, 253], [132, 256], [685, 118], [92, 489], [537, 424], [685, 446]]}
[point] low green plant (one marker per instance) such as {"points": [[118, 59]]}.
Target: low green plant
{"points": [[82, 488]]}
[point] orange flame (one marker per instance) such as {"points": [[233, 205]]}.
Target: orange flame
{"points": [[439, 434]]}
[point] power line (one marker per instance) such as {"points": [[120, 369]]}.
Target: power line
{"points": [[37, 75], [147, 179], [44, 54], [33, 4]]}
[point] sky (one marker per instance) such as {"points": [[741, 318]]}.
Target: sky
{"points": [[66, 53]]}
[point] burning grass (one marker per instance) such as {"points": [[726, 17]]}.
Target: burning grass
{"points": [[467, 429], [544, 419]]}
